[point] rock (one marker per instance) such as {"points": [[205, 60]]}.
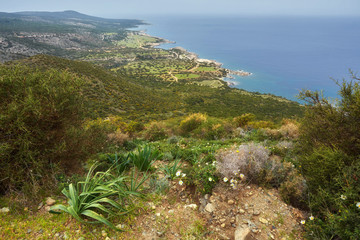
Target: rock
{"points": [[160, 234], [212, 199], [242, 211], [223, 225], [107, 238], [47, 208], [222, 220], [256, 213], [103, 233], [206, 196], [171, 211], [40, 206], [232, 220], [29, 231], [157, 214], [231, 202], [246, 206], [192, 206], [50, 201], [209, 208], [5, 210], [263, 220], [271, 236], [242, 232]]}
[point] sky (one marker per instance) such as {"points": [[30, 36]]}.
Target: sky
{"points": [[138, 8]]}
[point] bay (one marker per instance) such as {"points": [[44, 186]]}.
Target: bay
{"points": [[285, 54]]}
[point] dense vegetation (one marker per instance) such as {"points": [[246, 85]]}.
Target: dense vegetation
{"points": [[330, 162]]}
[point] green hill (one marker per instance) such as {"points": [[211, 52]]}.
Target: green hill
{"points": [[110, 94]]}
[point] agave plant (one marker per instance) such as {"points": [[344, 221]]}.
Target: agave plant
{"points": [[120, 162], [93, 197], [144, 158]]}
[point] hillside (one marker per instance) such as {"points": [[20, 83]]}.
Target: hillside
{"points": [[110, 94]]}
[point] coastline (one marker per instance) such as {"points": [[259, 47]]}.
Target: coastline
{"points": [[195, 57]]}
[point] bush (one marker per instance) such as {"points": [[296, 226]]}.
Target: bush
{"points": [[203, 175], [40, 126], [243, 120], [254, 162], [156, 131], [192, 122], [330, 141], [118, 137], [294, 190]]}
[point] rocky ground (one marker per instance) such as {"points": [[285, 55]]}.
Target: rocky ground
{"points": [[249, 212]]}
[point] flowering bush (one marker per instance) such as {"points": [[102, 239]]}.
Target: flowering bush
{"points": [[192, 122], [203, 175]]}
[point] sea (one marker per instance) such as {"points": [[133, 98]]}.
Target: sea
{"points": [[284, 54]]}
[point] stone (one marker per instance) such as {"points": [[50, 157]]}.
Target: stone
{"points": [[232, 220], [231, 202], [212, 199], [157, 214], [160, 233], [47, 208], [209, 208], [103, 233], [223, 225], [171, 211], [222, 220], [107, 238], [29, 231], [256, 213], [242, 232], [263, 220], [242, 211], [40, 206], [192, 206], [5, 210], [271, 236], [50, 201], [206, 196]]}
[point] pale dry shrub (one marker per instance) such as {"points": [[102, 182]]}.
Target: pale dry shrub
{"points": [[289, 130], [284, 145], [293, 190], [239, 132], [118, 137], [253, 160]]}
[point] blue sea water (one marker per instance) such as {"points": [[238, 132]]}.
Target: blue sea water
{"points": [[285, 54]]}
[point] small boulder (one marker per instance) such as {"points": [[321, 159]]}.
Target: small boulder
{"points": [[50, 201], [242, 232], [209, 207]]}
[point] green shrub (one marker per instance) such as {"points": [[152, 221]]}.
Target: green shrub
{"points": [[330, 145], [293, 190], [243, 120], [156, 131], [40, 125], [192, 122], [203, 176]]}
